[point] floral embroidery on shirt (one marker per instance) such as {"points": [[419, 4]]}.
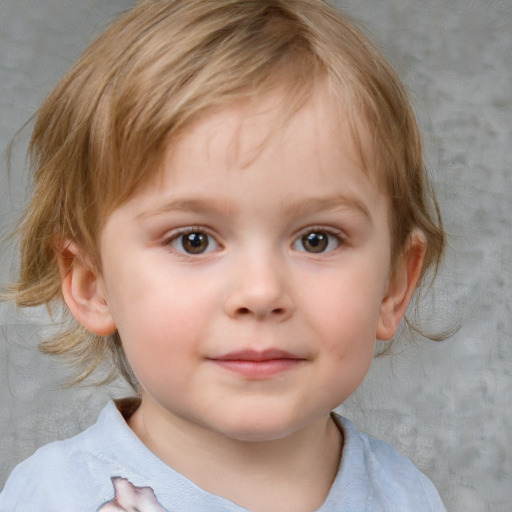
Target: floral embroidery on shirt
{"points": [[128, 498]]}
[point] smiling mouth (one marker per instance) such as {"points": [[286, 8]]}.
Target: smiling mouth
{"points": [[258, 364]]}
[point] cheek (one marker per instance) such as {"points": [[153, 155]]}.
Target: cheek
{"points": [[157, 326], [344, 305], [160, 324], [158, 348]]}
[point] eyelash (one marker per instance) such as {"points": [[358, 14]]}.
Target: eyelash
{"points": [[179, 235], [324, 241], [333, 235]]}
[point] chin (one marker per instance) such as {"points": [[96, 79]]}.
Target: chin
{"points": [[253, 436], [258, 428]]}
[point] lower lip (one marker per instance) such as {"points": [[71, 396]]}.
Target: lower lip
{"points": [[258, 369]]}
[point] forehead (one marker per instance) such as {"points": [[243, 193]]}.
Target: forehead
{"points": [[317, 128], [261, 149]]}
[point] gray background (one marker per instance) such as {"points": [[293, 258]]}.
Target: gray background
{"points": [[447, 405]]}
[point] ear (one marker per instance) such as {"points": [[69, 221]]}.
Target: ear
{"points": [[84, 291], [401, 286]]}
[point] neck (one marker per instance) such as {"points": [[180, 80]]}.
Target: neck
{"points": [[297, 470]]}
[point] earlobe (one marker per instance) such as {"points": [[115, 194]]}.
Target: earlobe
{"points": [[84, 291], [401, 286]]}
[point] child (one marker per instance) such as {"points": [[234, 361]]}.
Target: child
{"points": [[231, 202]]}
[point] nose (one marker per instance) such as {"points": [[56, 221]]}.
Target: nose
{"points": [[260, 290]]}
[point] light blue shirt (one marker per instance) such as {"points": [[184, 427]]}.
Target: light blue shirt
{"points": [[83, 473]]}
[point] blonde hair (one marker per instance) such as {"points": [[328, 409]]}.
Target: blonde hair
{"points": [[104, 130]]}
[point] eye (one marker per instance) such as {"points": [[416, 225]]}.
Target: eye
{"points": [[317, 241], [194, 242]]}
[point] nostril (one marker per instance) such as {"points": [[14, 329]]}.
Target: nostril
{"points": [[248, 311]]}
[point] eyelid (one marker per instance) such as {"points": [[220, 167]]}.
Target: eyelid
{"points": [[174, 235], [329, 230], [321, 228]]}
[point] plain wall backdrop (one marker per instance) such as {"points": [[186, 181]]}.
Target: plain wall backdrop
{"points": [[448, 406]]}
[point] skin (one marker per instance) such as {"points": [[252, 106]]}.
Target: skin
{"points": [[193, 323]]}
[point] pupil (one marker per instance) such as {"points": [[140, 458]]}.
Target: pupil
{"points": [[315, 242], [195, 243]]}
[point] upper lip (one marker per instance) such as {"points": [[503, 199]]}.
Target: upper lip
{"points": [[256, 355]]}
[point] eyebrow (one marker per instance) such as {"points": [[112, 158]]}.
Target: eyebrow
{"points": [[303, 206], [203, 205], [329, 203]]}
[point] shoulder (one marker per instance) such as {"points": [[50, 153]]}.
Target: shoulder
{"points": [[60, 475], [389, 480]]}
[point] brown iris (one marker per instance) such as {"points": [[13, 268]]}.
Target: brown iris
{"points": [[315, 242], [195, 243]]}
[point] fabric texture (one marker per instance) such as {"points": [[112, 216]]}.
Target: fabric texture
{"points": [[107, 468]]}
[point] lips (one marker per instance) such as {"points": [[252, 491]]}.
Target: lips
{"points": [[255, 355], [258, 365]]}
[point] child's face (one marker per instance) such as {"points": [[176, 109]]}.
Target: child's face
{"points": [[249, 284]]}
